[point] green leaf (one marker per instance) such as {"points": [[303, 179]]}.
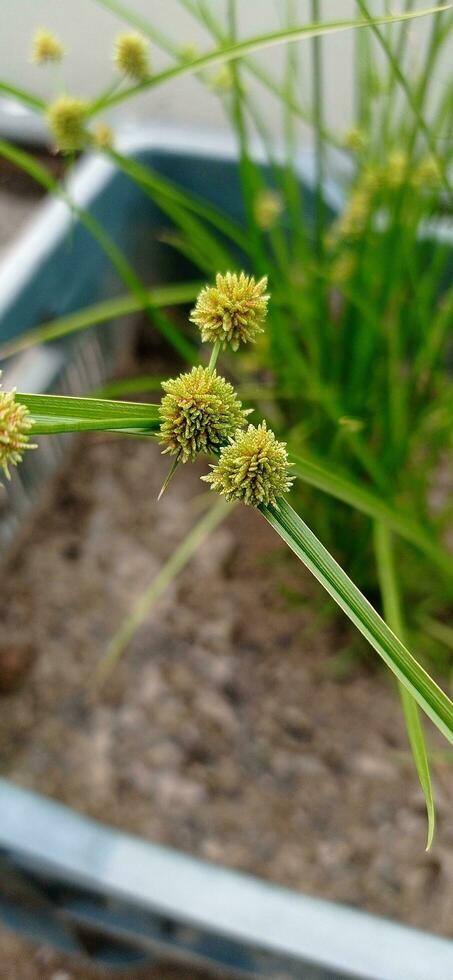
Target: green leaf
{"points": [[348, 597], [393, 613], [63, 413], [239, 49], [27, 98], [316, 474], [91, 316]]}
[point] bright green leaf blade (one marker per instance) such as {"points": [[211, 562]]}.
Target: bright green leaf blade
{"points": [[230, 52], [63, 413], [27, 98], [393, 613], [337, 583], [316, 474], [90, 316]]}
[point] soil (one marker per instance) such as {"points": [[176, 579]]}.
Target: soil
{"points": [[223, 731]]}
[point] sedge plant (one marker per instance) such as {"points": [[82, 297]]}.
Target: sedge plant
{"points": [[347, 365]]}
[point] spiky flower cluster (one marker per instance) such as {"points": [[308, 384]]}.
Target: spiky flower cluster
{"points": [[103, 137], [253, 468], [233, 311], [66, 118], [199, 412], [131, 55], [268, 208], [46, 47], [355, 139], [15, 423]]}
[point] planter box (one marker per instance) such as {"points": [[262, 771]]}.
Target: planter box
{"points": [[66, 879]]}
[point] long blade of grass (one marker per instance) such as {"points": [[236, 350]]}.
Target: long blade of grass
{"points": [[21, 95], [351, 492], [175, 564], [298, 536], [240, 49], [64, 413], [385, 559], [89, 316]]}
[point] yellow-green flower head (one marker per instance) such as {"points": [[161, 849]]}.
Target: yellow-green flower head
{"points": [[221, 80], [199, 412], [15, 423], [131, 55], [233, 311], [355, 139], [268, 208], [46, 47], [66, 118], [397, 169], [428, 173], [103, 137], [253, 468], [189, 52]]}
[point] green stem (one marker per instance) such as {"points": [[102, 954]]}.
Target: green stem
{"points": [[393, 613], [214, 355]]}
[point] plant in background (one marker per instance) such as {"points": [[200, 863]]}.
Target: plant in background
{"points": [[351, 372]]}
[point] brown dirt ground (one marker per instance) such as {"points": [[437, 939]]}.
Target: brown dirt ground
{"points": [[224, 731]]}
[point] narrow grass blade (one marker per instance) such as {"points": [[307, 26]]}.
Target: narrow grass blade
{"points": [[239, 49], [90, 316], [316, 474], [385, 559], [348, 597], [21, 95], [177, 561], [62, 413]]}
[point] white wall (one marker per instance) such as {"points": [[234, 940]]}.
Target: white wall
{"points": [[87, 31]]}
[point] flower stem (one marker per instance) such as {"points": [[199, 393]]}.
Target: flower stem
{"points": [[214, 356]]}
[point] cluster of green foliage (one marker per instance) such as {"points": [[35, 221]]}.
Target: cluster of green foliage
{"points": [[352, 369]]}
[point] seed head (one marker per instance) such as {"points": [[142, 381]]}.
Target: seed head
{"points": [[221, 80], [131, 55], [199, 412], [232, 311], [15, 423], [268, 208], [46, 47], [427, 174], [355, 140], [103, 137], [66, 118], [397, 169], [253, 468]]}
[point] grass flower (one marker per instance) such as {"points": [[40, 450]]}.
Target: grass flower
{"points": [[397, 169], [46, 47], [131, 55], [268, 208], [221, 80], [233, 311], [355, 140], [253, 468], [199, 412], [15, 423], [103, 137], [427, 174], [66, 118]]}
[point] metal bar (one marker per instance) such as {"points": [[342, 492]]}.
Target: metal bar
{"points": [[221, 902]]}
